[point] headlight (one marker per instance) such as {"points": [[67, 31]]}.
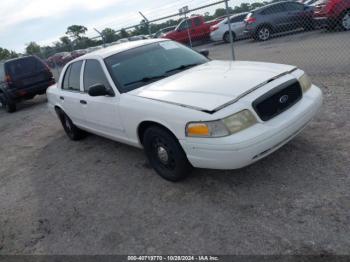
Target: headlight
{"points": [[305, 82], [223, 127]]}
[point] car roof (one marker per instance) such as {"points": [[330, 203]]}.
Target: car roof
{"points": [[17, 58], [273, 4], [112, 50]]}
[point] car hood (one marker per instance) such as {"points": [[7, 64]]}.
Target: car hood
{"points": [[213, 85]]}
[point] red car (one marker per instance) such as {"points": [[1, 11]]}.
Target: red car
{"points": [[195, 27], [332, 13]]}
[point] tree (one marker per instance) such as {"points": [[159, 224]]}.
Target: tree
{"points": [[76, 31], [123, 33], [7, 54], [65, 40], [33, 49], [109, 35]]}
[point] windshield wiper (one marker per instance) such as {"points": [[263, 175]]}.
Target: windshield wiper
{"points": [[182, 67], [146, 79]]}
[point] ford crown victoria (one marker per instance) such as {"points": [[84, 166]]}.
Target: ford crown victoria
{"points": [[182, 108]]}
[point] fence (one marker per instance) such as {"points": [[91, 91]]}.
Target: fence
{"points": [[281, 32]]}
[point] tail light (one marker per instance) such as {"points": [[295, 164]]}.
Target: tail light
{"points": [[250, 20], [214, 28], [8, 80]]}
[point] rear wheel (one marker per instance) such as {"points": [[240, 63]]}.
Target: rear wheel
{"points": [[345, 20], [165, 154], [72, 131], [10, 107], [226, 37], [263, 33]]}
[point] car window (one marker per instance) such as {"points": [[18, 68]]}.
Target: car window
{"points": [[24, 67], [131, 69], [237, 19], [274, 9], [294, 7], [93, 74], [71, 79], [185, 25], [197, 21]]}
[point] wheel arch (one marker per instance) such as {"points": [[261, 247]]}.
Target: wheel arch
{"points": [[144, 125], [265, 25]]}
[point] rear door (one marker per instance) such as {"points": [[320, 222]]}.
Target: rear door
{"points": [[238, 25], [71, 94], [296, 14], [102, 112]]}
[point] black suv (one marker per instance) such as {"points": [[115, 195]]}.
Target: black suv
{"points": [[22, 79]]}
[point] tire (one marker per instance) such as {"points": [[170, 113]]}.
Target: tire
{"points": [[72, 131], [226, 37], [263, 33], [345, 20], [10, 107], [165, 154]]}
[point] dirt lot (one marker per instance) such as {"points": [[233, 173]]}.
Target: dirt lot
{"points": [[101, 197]]}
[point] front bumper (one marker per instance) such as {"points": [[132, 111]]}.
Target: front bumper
{"points": [[257, 141]]}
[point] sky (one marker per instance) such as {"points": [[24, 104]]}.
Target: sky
{"points": [[45, 21]]}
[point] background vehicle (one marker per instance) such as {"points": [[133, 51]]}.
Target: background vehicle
{"points": [[278, 17], [195, 26], [163, 31], [78, 53], [21, 79], [59, 59], [220, 31], [331, 13]]}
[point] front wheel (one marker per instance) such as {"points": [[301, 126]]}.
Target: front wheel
{"points": [[263, 33], [345, 21], [165, 154]]}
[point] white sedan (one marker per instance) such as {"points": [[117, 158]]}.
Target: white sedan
{"points": [[220, 31], [184, 109]]}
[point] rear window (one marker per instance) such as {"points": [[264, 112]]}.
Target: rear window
{"points": [[24, 67]]}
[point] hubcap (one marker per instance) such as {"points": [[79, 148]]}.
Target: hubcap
{"points": [[346, 21], [163, 155], [264, 34]]}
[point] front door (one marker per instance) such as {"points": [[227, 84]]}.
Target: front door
{"points": [[102, 114]]}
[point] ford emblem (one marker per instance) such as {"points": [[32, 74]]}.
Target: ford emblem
{"points": [[284, 99]]}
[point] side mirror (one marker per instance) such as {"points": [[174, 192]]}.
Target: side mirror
{"points": [[100, 90], [204, 52]]}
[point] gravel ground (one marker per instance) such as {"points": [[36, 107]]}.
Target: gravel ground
{"points": [[101, 197]]}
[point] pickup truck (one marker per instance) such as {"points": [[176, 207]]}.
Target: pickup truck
{"points": [[195, 27]]}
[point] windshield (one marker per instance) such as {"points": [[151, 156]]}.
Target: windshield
{"points": [[140, 66]]}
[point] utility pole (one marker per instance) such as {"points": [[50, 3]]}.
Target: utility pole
{"points": [[184, 11], [103, 38], [230, 31], [147, 23]]}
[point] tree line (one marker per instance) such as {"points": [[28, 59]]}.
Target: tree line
{"points": [[75, 38]]}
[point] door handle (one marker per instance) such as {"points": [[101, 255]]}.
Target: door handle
{"points": [[83, 102], [61, 97]]}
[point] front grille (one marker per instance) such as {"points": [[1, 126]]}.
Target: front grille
{"points": [[278, 100]]}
